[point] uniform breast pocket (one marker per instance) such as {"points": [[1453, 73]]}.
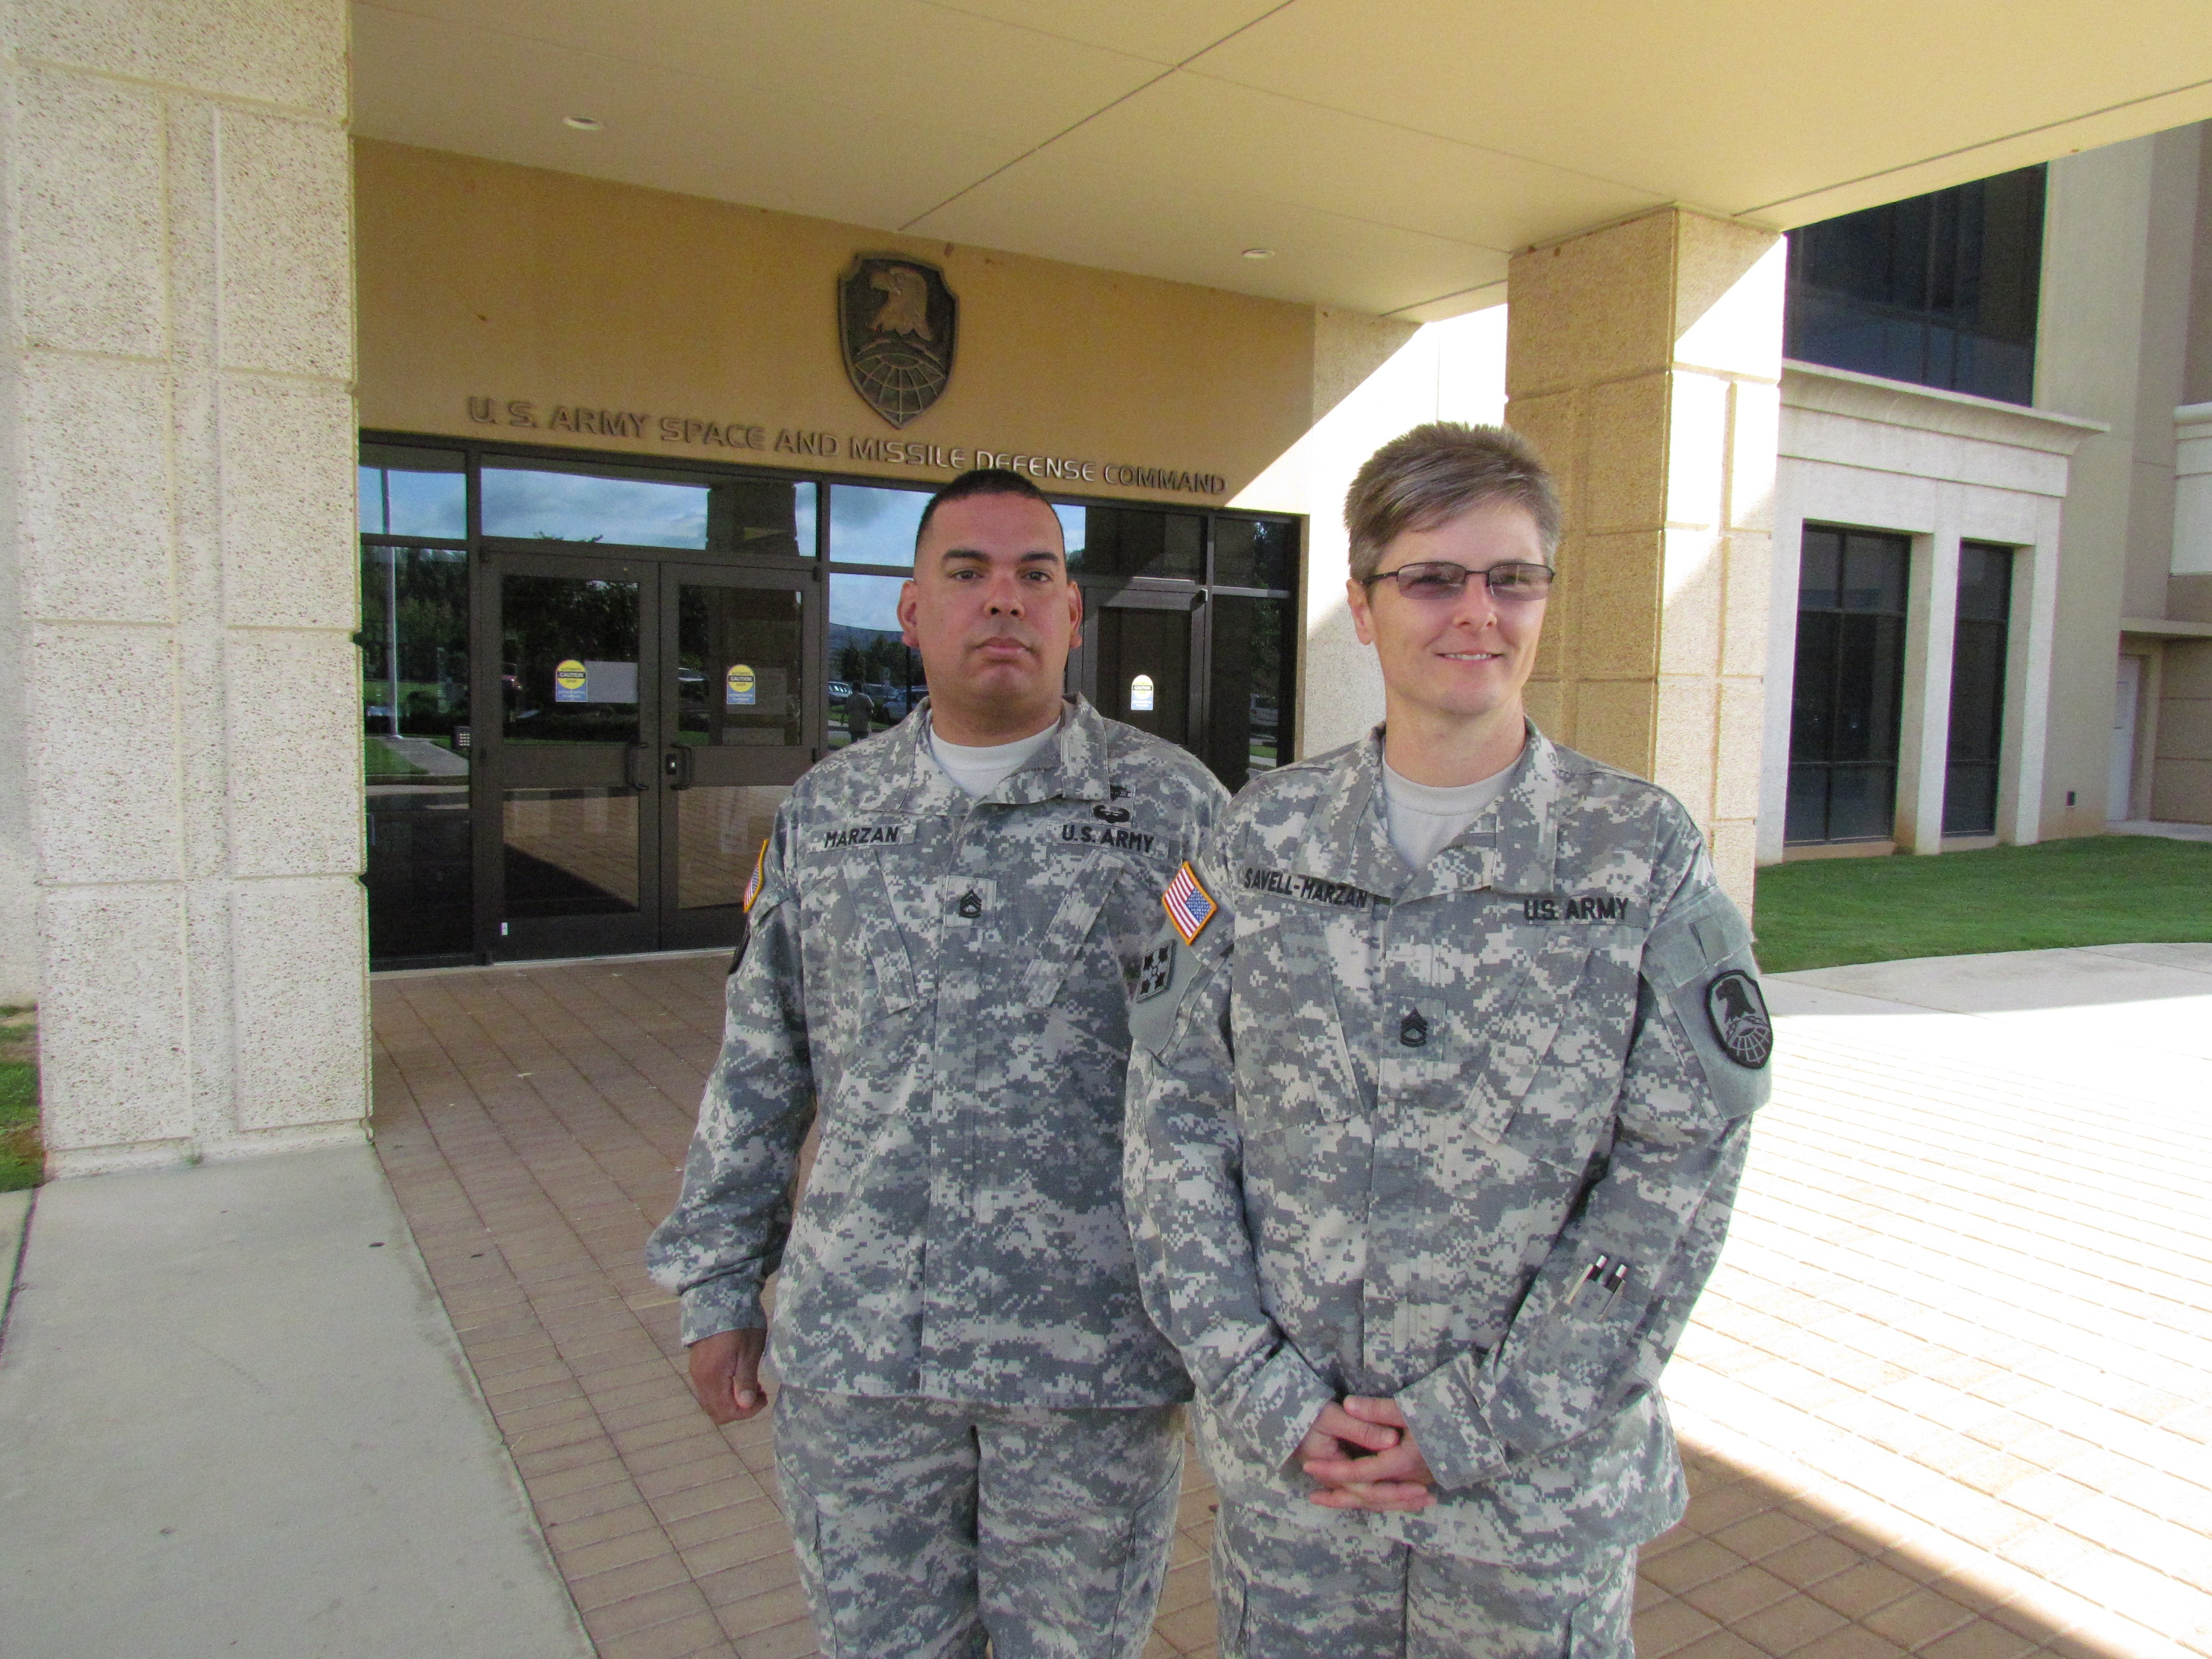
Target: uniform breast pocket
{"points": [[869, 936], [1057, 928], [1293, 1065], [1565, 1069], [1471, 1050]]}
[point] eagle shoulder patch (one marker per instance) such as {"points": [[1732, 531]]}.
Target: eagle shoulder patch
{"points": [[1739, 1017]]}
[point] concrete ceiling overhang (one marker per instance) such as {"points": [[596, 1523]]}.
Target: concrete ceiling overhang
{"points": [[1392, 153]]}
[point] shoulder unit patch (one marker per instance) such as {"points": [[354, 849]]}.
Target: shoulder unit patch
{"points": [[1155, 971], [1189, 905], [1740, 1020]]}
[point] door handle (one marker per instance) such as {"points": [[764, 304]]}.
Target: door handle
{"points": [[678, 767], [637, 767]]}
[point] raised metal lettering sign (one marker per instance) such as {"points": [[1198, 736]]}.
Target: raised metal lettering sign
{"points": [[896, 322]]}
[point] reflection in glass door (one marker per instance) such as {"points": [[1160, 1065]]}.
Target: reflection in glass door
{"points": [[571, 758], [738, 690], [653, 716], [1140, 654], [415, 747]]}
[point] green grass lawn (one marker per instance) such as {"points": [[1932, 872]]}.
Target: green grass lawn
{"points": [[380, 760], [22, 1163], [2090, 889]]}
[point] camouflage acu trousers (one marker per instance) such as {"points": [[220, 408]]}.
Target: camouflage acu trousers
{"points": [[925, 1526], [1287, 1591]]}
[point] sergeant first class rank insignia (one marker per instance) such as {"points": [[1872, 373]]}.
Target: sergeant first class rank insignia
{"points": [[1189, 905]]}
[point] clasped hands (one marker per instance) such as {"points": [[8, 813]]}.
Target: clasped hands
{"points": [[1362, 1455]]}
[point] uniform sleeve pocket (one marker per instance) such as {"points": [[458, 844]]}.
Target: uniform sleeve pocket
{"points": [[1700, 965]]}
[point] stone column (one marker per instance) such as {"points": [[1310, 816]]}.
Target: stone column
{"points": [[1923, 727], [1645, 360], [176, 525]]}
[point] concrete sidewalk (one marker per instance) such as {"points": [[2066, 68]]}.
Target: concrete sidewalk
{"points": [[235, 1420], [1963, 1320]]}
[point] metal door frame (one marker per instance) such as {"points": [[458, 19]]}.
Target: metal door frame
{"points": [[1186, 597]]}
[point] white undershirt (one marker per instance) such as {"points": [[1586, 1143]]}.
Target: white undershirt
{"points": [[1424, 820], [981, 770]]}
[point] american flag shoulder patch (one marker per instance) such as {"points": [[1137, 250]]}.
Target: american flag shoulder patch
{"points": [[1189, 905], [760, 871]]}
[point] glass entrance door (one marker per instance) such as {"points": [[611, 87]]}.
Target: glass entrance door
{"points": [[738, 676], [651, 716], [1137, 665]]}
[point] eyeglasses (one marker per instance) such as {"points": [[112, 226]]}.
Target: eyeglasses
{"points": [[1439, 579]]}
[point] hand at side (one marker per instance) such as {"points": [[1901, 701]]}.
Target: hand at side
{"points": [[725, 1375]]}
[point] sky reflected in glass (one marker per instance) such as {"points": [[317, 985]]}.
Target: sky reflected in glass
{"points": [[397, 501], [874, 527], [870, 602], [803, 514], [1072, 522], [573, 507]]}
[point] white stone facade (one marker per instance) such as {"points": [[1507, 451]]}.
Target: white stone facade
{"points": [[181, 828], [1939, 467], [2192, 490]]}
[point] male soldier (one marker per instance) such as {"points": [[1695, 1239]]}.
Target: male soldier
{"points": [[976, 1434], [1433, 1135], [860, 714]]}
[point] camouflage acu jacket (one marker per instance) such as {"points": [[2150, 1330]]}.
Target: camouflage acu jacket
{"points": [[1467, 1138], [949, 978]]}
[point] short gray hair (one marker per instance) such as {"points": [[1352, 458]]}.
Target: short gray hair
{"points": [[1434, 473]]}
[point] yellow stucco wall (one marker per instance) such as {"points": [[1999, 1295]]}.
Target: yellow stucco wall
{"points": [[481, 280]]}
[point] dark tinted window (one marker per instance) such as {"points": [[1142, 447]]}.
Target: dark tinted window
{"points": [[1248, 715], [1848, 686], [1254, 553], [1126, 544], [1977, 682], [1940, 289], [875, 677], [570, 664], [415, 748]]}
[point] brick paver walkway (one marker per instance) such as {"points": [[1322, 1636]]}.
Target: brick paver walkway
{"points": [[1945, 1397]]}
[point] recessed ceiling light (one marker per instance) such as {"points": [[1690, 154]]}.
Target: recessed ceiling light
{"points": [[582, 122], [1259, 253]]}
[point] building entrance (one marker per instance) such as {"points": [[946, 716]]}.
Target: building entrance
{"points": [[588, 682], [651, 715]]}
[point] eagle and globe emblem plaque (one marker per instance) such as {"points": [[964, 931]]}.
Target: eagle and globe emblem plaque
{"points": [[896, 322]]}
